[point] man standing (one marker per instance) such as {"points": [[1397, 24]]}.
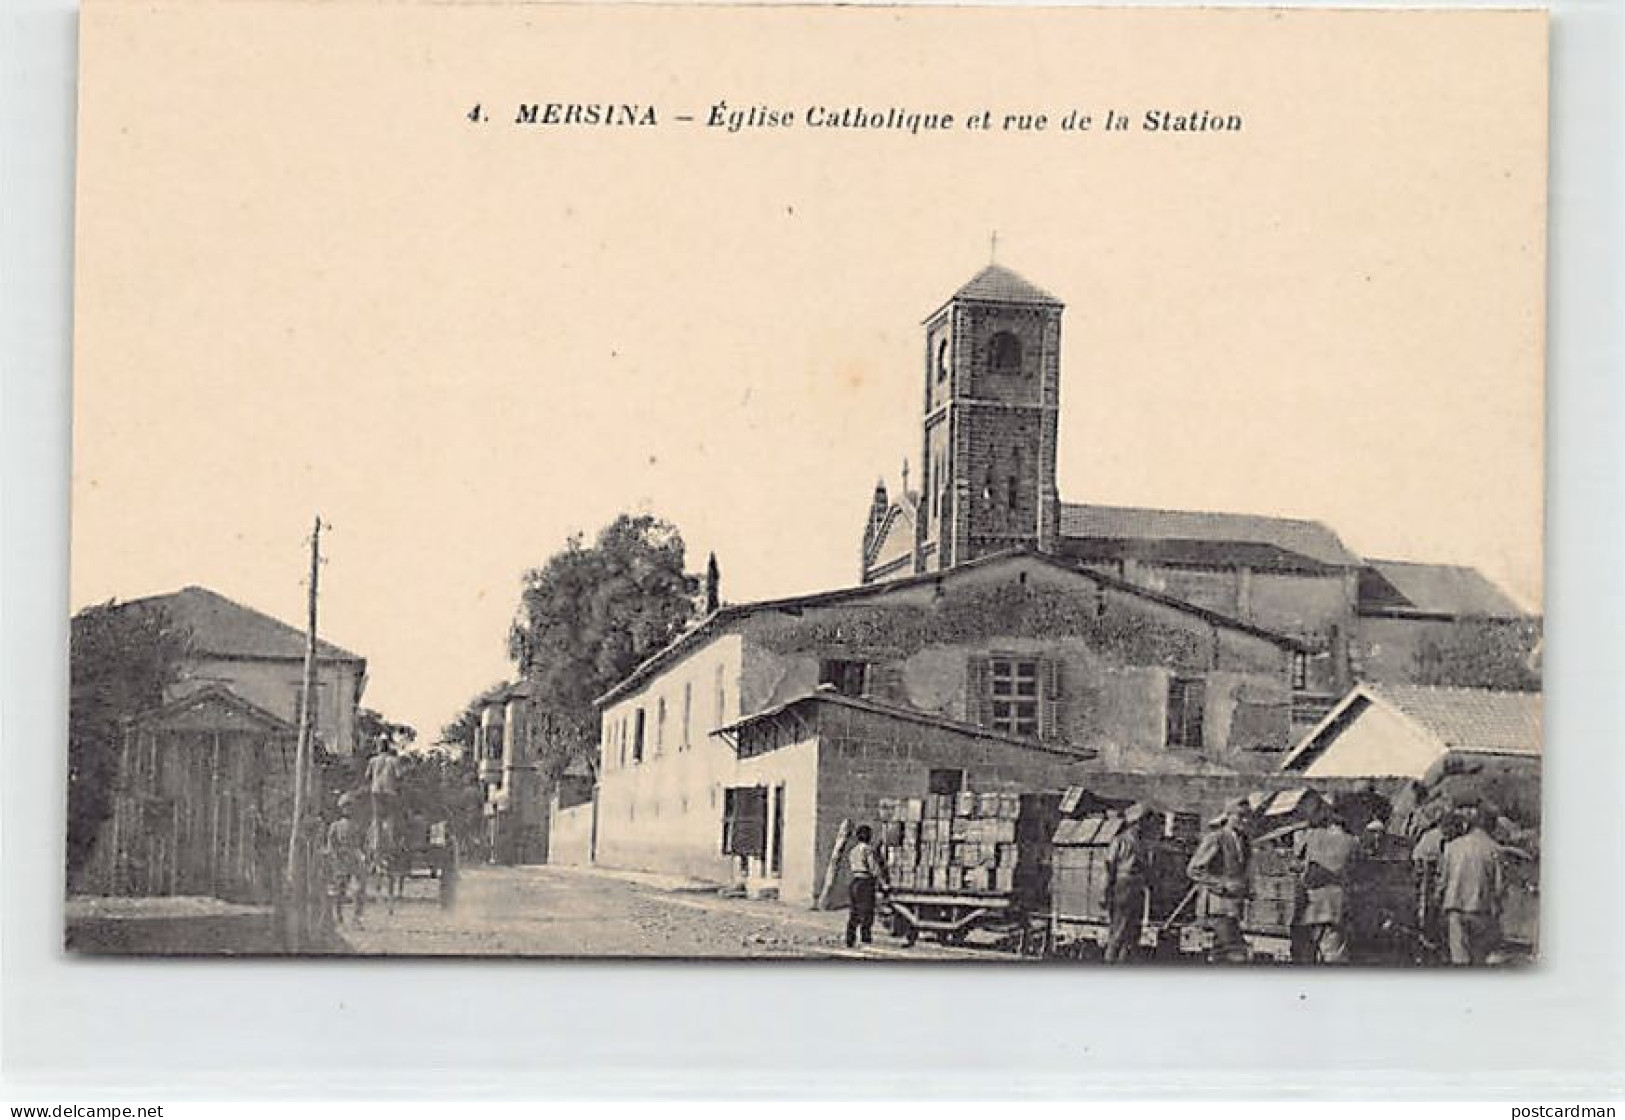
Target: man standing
{"points": [[1220, 867], [1128, 884], [383, 779], [1325, 851], [345, 862], [868, 876], [1442, 827], [1471, 887]]}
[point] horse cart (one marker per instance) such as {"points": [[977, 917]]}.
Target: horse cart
{"points": [[418, 850]]}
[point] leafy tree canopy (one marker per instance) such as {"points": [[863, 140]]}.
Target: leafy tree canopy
{"points": [[121, 659], [374, 731], [589, 616], [1482, 653]]}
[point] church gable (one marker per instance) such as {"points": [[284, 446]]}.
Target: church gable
{"points": [[890, 551]]}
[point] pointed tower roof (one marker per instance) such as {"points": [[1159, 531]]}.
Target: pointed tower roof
{"points": [[998, 284]]}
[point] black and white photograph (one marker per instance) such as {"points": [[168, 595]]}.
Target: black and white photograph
{"points": [[859, 485]]}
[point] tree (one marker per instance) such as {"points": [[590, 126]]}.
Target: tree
{"points": [[374, 731], [461, 731], [122, 658], [1481, 653], [588, 617]]}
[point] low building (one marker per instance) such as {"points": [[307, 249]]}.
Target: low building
{"points": [[203, 802], [1409, 731], [1017, 668]]}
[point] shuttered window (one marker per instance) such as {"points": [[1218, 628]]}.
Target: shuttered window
{"points": [[1013, 696], [1186, 696], [744, 821], [1019, 694]]}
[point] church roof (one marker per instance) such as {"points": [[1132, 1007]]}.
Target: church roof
{"points": [[222, 627], [1402, 587], [997, 284], [1186, 536]]}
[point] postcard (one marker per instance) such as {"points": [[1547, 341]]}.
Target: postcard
{"points": [[855, 483]]}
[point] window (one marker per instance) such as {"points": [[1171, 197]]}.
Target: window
{"points": [[1300, 671], [688, 713], [722, 699], [637, 736], [850, 678], [660, 725], [942, 360], [620, 735], [945, 781], [1013, 684], [744, 821], [1004, 353], [1185, 698]]}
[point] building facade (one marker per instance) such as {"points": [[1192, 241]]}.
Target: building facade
{"points": [[1018, 660]]}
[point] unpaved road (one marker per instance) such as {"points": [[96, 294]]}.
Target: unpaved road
{"points": [[554, 911]]}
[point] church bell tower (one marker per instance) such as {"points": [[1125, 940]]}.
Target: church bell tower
{"points": [[992, 392]]}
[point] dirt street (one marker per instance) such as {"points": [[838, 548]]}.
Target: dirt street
{"points": [[556, 911]]}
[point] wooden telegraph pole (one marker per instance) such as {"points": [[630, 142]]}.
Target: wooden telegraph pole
{"points": [[298, 867]]}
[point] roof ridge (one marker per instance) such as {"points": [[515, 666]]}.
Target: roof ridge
{"points": [[1204, 513]]}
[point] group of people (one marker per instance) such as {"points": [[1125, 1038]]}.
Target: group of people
{"points": [[1458, 868], [348, 847]]}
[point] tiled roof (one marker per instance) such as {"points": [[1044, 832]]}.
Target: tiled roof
{"points": [[1442, 589], [225, 628], [1221, 537], [997, 284], [1462, 720], [1474, 720]]}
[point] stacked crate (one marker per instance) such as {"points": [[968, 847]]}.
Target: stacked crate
{"points": [[982, 843], [1078, 880], [1273, 888]]}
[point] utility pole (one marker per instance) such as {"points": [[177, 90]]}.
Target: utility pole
{"points": [[298, 869]]}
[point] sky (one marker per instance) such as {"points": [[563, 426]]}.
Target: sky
{"points": [[461, 342]]}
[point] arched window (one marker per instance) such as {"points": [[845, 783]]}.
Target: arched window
{"points": [[1004, 353]]}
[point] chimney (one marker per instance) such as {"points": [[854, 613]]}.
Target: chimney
{"points": [[713, 585]]}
